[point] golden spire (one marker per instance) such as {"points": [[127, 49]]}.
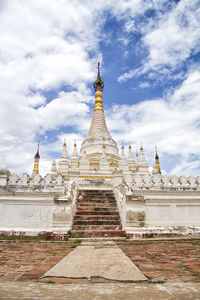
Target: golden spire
{"points": [[98, 86], [157, 163], [36, 163]]}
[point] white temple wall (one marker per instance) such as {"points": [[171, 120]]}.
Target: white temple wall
{"points": [[33, 208], [157, 204], [30, 213], [164, 211], [176, 212]]}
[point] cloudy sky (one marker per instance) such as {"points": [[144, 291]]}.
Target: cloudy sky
{"points": [[149, 51]]}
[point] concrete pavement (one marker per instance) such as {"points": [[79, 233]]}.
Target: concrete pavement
{"points": [[97, 260], [100, 291]]}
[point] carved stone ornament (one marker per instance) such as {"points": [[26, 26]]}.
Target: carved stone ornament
{"points": [[13, 179], [25, 179]]}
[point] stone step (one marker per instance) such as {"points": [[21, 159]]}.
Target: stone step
{"points": [[96, 202], [97, 218], [96, 209], [95, 222], [96, 191], [100, 205], [96, 199], [97, 213], [97, 233], [97, 227], [96, 194], [85, 202], [91, 196]]}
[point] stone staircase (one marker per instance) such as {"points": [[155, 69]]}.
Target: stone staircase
{"points": [[96, 215]]}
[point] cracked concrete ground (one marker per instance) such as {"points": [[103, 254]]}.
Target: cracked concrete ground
{"points": [[97, 260], [172, 267], [105, 291]]}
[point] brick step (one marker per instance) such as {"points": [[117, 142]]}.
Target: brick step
{"points": [[95, 192], [97, 227], [96, 201], [104, 205], [97, 233], [95, 222], [96, 209], [86, 203], [95, 195], [97, 218], [98, 213], [96, 205]]}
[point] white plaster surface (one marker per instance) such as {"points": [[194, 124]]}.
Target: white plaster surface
{"points": [[94, 259]]}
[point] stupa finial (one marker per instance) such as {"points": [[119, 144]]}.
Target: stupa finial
{"points": [[98, 68], [98, 86]]}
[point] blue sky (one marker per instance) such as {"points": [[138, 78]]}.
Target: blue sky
{"points": [[149, 54]]}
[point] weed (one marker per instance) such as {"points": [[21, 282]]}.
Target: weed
{"points": [[149, 277], [156, 282], [74, 246], [13, 247], [77, 241], [69, 235], [196, 275], [22, 238]]}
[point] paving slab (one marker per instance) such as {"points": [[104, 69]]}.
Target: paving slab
{"points": [[100, 291], [97, 260]]}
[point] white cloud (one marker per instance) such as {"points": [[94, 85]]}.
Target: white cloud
{"points": [[176, 36], [144, 85], [187, 167], [129, 74], [171, 123], [170, 39], [130, 26], [43, 47], [65, 110]]}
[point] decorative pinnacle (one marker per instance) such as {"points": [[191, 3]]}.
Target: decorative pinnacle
{"points": [[141, 148], [37, 155], [157, 163], [98, 68], [156, 156], [98, 84], [36, 163]]}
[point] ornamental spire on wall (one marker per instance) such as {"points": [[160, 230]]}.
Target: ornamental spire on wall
{"points": [[36, 162], [156, 166]]}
